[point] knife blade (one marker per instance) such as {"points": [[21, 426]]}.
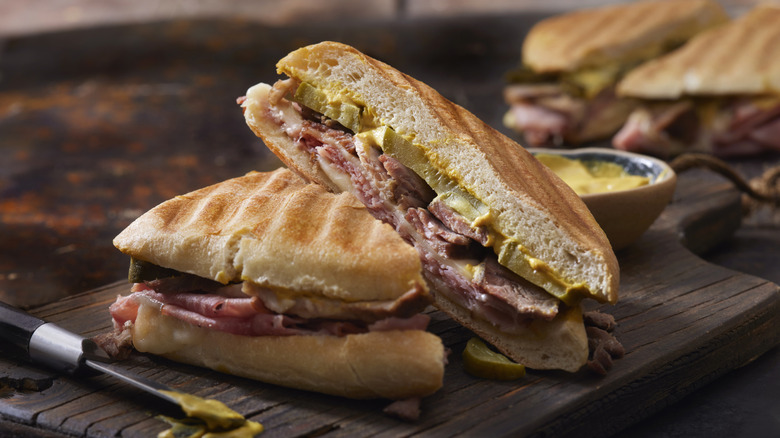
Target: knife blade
{"points": [[50, 345]]}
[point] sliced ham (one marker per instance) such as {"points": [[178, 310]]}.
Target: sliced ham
{"points": [[739, 127], [753, 128], [447, 243], [768, 134], [540, 125], [123, 310], [549, 116], [408, 305], [212, 305], [245, 316], [410, 190], [658, 129], [457, 223]]}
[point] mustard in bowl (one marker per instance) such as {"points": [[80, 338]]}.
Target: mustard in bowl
{"points": [[624, 191]]}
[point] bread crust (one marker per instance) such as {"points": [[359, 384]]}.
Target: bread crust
{"points": [[539, 209], [278, 231], [618, 33], [560, 344], [391, 364], [739, 58]]}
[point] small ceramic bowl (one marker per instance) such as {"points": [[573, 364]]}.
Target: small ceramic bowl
{"points": [[624, 215]]}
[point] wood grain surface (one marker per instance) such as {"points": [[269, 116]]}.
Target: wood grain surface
{"points": [[683, 321]]}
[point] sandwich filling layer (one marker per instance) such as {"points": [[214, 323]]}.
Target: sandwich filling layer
{"points": [[450, 229], [229, 310], [723, 126], [374, 139], [565, 90]]}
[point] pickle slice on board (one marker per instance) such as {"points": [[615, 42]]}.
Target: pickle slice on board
{"points": [[481, 361]]}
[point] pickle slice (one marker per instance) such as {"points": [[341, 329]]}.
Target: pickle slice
{"points": [[141, 271], [480, 361], [345, 113]]}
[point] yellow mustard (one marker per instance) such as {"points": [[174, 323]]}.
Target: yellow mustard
{"points": [[208, 419], [596, 177]]}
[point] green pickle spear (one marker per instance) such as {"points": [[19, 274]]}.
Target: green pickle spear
{"points": [[481, 361], [144, 271], [343, 112]]}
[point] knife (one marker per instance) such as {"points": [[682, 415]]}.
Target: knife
{"points": [[50, 345]]}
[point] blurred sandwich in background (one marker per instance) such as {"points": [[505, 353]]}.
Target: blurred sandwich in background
{"points": [[564, 92], [720, 93]]}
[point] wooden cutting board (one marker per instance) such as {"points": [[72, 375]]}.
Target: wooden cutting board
{"points": [[684, 322]]}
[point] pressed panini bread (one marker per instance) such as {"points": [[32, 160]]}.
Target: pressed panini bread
{"points": [[353, 123], [620, 33], [310, 291], [740, 58], [529, 203], [253, 228], [391, 364]]}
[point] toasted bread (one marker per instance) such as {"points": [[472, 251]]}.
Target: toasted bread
{"points": [[386, 364], [563, 246], [740, 58], [621, 33], [275, 230]]}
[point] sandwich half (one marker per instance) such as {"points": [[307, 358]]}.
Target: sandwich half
{"points": [[268, 277], [508, 249], [719, 94], [565, 90]]}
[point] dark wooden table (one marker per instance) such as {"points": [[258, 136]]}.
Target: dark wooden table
{"points": [[99, 125]]}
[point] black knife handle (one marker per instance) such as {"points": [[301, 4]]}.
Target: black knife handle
{"points": [[17, 327]]}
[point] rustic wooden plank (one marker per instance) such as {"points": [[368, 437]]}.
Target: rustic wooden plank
{"points": [[465, 398], [25, 407], [681, 320]]}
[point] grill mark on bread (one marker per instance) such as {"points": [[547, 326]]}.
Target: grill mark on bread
{"points": [[572, 41], [767, 56], [259, 224], [588, 37], [732, 60], [735, 58], [634, 19]]}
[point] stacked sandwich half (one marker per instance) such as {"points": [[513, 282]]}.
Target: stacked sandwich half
{"points": [[507, 248], [268, 277], [720, 93], [565, 90]]}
